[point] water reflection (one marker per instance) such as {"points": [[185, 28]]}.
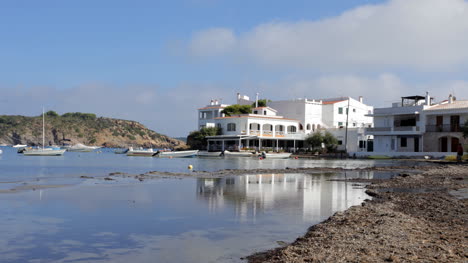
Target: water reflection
{"points": [[168, 220], [312, 196]]}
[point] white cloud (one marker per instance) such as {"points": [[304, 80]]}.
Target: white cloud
{"points": [[414, 34], [212, 42]]}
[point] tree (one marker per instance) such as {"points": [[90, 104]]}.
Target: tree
{"points": [[315, 140], [464, 129], [51, 113], [197, 139], [261, 103], [330, 141], [236, 109]]}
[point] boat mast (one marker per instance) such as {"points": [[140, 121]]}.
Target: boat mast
{"points": [[43, 128]]}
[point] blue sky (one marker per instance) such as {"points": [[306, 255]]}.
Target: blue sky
{"points": [[158, 61]]}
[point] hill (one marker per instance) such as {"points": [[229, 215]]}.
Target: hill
{"points": [[86, 128]]}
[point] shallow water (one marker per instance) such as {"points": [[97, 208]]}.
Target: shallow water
{"points": [[167, 220], [163, 219]]}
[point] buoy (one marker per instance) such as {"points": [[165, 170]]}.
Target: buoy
{"points": [[261, 158], [190, 167], [296, 157]]}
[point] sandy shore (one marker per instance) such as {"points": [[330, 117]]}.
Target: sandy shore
{"points": [[411, 218]]}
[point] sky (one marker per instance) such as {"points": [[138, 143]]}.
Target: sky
{"points": [[157, 62]]}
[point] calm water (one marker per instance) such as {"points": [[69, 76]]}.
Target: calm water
{"points": [[161, 220]]}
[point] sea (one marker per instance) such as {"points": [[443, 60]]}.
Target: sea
{"points": [[61, 209]]}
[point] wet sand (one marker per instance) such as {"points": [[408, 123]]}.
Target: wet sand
{"points": [[411, 218]]}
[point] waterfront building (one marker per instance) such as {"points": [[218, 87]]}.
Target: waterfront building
{"points": [[418, 126], [286, 124]]}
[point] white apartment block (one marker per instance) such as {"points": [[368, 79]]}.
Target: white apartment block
{"points": [[286, 124], [418, 126]]}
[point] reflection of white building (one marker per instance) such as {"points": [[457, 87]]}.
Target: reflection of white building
{"points": [[313, 196], [286, 124]]}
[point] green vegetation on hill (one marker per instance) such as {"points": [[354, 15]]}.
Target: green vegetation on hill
{"points": [[86, 128]]}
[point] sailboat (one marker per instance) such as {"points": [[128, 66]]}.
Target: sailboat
{"points": [[44, 151]]}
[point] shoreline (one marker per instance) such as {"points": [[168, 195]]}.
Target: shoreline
{"points": [[411, 218]]}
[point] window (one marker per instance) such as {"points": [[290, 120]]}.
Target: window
{"points": [[218, 125], [362, 144], [231, 127], [354, 124], [340, 124], [264, 112], [403, 142], [347, 111], [255, 112], [340, 110], [292, 129], [340, 142], [354, 110], [308, 127]]}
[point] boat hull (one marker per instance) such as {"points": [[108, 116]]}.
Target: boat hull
{"points": [[140, 153], [209, 154], [44, 152], [276, 155], [238, 154], [177, 154]]}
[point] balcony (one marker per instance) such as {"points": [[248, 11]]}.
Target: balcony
{"points": [[399, 130], [443, 128]]}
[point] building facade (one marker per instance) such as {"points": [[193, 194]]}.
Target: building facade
{"points": [[418, 126], [286, 124]]}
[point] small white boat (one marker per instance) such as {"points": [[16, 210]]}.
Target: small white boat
{"points": [[1, 151], [176, 154], [44, 152], [140, 152], [121, 151], [19, 146], [208, 154], [275, 155], [238, 154], [81, 148]]}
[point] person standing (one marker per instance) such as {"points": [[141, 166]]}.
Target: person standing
{"points": [[459, 153]]}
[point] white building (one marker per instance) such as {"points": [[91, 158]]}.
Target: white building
{"points": [[417, 126], [286, 124]]}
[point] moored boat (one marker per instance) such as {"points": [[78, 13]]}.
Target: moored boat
{"points": [[208, 154], [19, 146], [275, 155], [176, 154], [81, 148], [140, 152], [227, 153], [44, 152]]}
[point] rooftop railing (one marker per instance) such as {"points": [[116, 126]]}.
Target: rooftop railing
{"points": [[443, 128]]}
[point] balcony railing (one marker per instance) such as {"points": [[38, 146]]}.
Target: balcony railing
{"points": [[443, 128], [394, 129]]}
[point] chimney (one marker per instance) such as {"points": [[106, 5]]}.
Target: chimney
{"points": [[212, 103], [428, 99], [256, 101], [361, 99], [450, 99]]}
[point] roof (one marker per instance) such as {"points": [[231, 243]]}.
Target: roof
{"points": [[257, 108], [257, 117], [414, 97], [458, 104], [212, 107], [332, 102]]}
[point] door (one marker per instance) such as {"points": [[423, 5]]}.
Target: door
{"points": [[454, 145], [416, 144], [443, 144], [455, 123], [439, 123]]}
